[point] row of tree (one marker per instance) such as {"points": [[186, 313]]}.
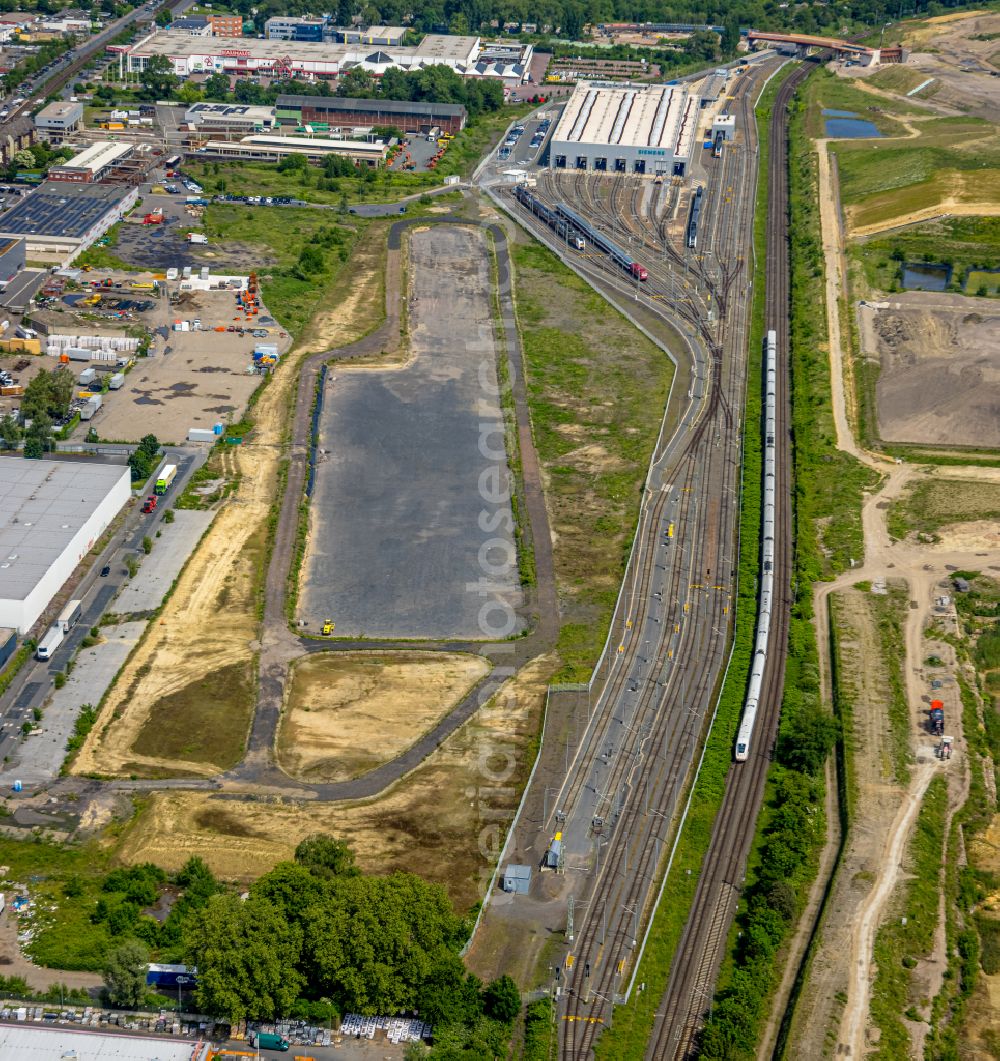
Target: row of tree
{"points": [[313, 937], [567, 18]]}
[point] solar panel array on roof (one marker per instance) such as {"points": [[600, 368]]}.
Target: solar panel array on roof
{"points": [[62, 209]]}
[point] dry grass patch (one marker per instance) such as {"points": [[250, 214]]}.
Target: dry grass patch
{"points": [[346, 714], [444, 820]]}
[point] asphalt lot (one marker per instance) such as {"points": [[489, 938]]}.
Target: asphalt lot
{"points": [[396, 547], [43, 752], [159, 569]]}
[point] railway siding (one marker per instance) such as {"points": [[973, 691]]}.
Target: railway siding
{"points": [[634, 1020]]}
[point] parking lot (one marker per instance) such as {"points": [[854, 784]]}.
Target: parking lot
{"points": [[396, 545]]}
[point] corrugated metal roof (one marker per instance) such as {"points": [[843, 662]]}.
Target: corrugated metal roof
{"points": [[39, 1043]]}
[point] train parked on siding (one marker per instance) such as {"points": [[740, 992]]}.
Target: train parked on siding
{"points": [[744, 737], [692, 229], [569, 225]]}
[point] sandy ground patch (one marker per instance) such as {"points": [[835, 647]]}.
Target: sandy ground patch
{"points": [[445, 821], [210, 621], [940, 378], [345, 714]]}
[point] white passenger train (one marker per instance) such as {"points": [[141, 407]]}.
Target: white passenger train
{"points": [[745, 734]]}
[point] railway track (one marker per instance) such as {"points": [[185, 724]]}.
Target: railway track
{"points": [[654, 710], [699, 955]]}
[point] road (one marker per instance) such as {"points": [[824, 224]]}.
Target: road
{"points": [[34, 683], [72, 62]]}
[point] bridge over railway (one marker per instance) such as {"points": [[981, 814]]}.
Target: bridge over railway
{"points": [[861, 53]]}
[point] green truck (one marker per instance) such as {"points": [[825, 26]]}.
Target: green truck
{"points": [[267, 1041]]}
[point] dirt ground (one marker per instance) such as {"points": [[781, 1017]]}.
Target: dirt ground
{"points": [[864, 680], [962, 64], [191, 379], [940, 378], [346, 714], [445, 820], [210, 622]]}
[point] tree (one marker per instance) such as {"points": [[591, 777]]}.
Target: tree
{"points": [[158, 78], [806, 737], [247, 956], [34, 450], [150, 445], [326, 856], [217, 87], [10, 431], [125, 973], [164, 17], [189, 92], [310, 262], [502, 1000], [141, 466], [24, 159]]}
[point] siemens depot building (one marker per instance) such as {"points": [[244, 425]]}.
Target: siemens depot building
{"points": [[649, 130]]}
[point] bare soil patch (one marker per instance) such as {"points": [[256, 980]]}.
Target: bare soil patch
{"points": [[940, 370], [446, 820], [865, 689], [346, 714]]}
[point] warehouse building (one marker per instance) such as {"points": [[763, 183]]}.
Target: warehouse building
{"points": [[315, 149], [226, 119], [253, 57], [93, 163], [51, 514], [324, 113], [59, 220], [611, 127], [12, 260], [34, 1042]]}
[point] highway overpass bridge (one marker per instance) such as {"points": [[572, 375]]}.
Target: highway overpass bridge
{"points": [[860, 53]]}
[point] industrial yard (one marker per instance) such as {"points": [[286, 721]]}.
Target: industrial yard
{"points": [[610, 543]]}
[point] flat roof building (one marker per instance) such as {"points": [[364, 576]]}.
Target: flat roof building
{"points": [[294, 28], [252, 57], [63, 116], [334, 112], [51, 514], [38, 1043], [236, 119], [93, 163], [58, 220], [12, 260], [626, 128], [275, 148]]}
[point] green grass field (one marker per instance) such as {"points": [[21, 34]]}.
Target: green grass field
{"points": [[932, 504], [237, 177], [597, 388], [902, 79], [206, 721], [825, 91], [962, 242], [280, 234]]}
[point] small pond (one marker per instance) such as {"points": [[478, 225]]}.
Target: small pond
{"points": [[923, 276], [846, 125]]}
